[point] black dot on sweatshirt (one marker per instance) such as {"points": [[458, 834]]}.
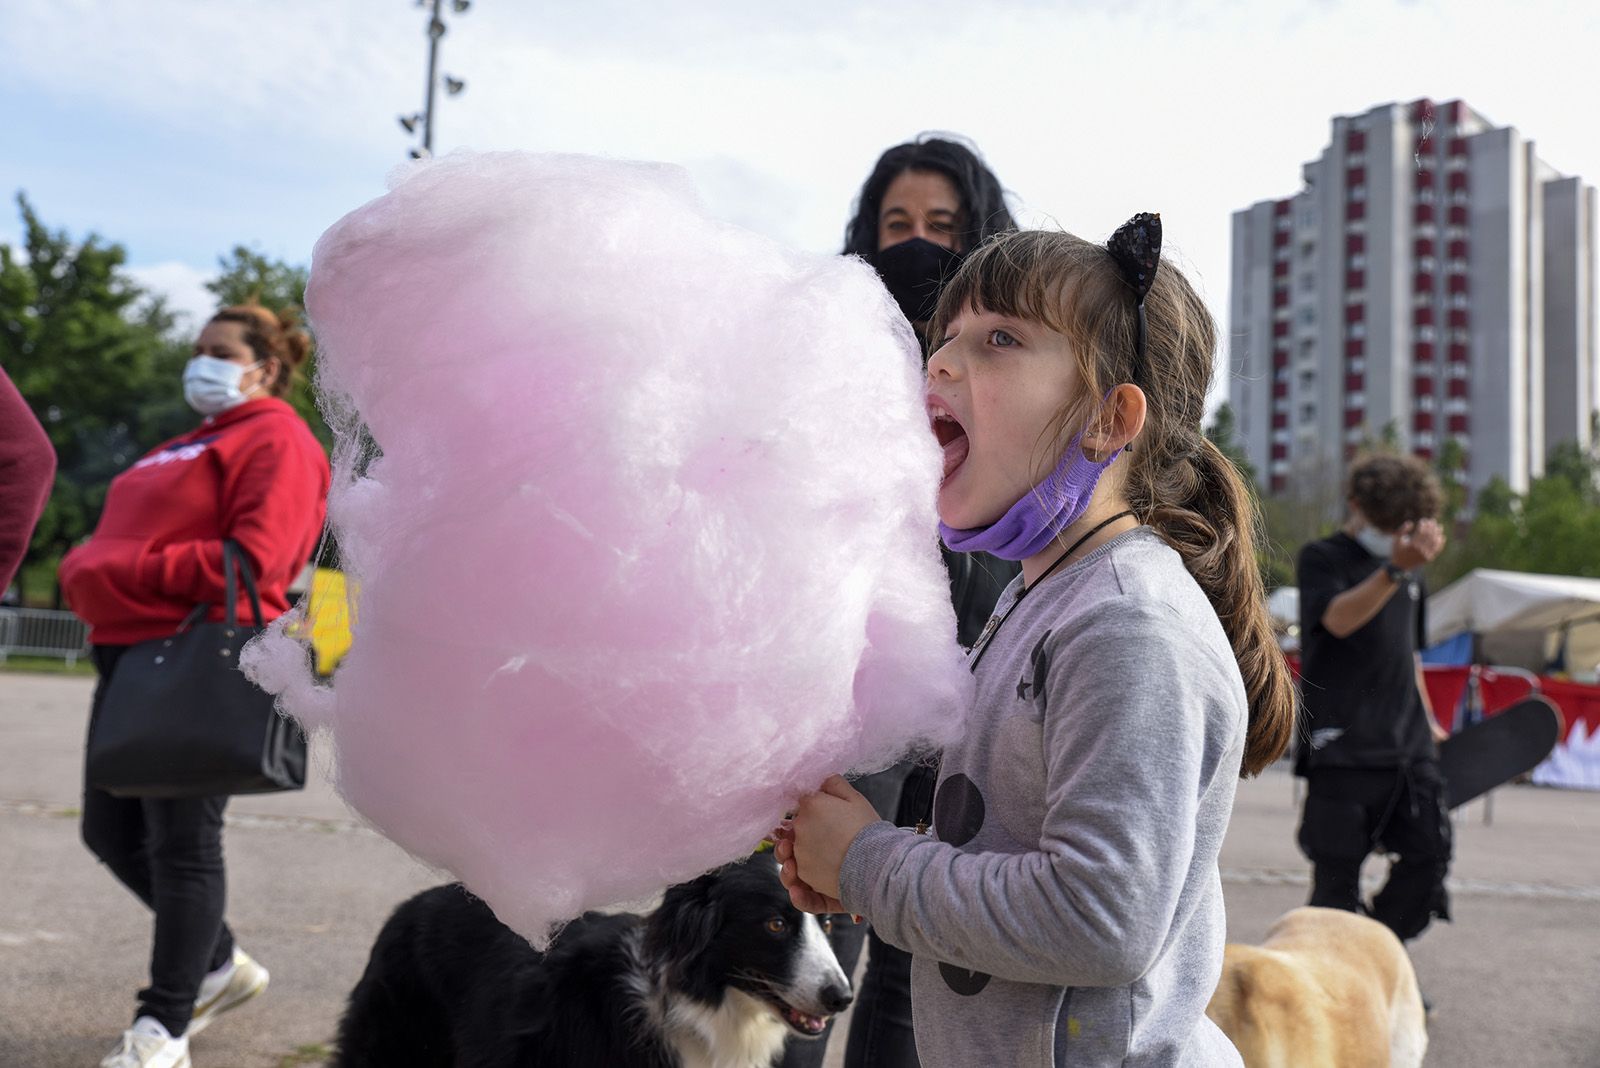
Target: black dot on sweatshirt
{"points": [[963, 982], [958, 810]]}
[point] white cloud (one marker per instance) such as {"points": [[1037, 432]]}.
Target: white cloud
{"points": [[184, 287]]}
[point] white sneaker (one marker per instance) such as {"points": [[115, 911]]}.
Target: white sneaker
{"points": [[228, 987], [147, 1044]]}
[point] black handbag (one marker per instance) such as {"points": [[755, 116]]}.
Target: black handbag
{"points": [[179, 719]]}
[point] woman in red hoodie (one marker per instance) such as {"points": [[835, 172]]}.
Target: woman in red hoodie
{"points": [[251, 472]]}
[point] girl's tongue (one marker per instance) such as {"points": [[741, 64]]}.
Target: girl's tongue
{"points": [[955, 454], [953, 439]]}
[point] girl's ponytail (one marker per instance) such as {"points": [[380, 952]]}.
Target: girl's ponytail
{"points": [[1200, 506]]}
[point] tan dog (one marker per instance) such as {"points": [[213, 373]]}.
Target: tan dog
{"points": [[1327, 989]]}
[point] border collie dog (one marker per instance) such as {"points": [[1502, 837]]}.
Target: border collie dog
{"points": [[717, 977]]}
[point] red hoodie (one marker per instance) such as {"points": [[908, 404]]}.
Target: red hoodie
{"points": [[254, 474]]}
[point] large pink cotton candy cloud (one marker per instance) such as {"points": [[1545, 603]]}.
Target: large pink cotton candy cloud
{"points": [[646, 545]]}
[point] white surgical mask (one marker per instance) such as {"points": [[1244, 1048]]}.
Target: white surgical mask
{"points": [[211, 385], [1376, 542]]}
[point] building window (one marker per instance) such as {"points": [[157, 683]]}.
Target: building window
{"points": [[1358, 194], [1425, 195], [1426, 264], [1425, 333], [1358, 399], [1308, 282], [1356, 365], [1357, 261], [1425, 402], [1422, 298], [1308, 413], [1356, 330], [1308, 315]]}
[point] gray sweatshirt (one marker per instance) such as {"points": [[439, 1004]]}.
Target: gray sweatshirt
{"points": [[1067, 909]]}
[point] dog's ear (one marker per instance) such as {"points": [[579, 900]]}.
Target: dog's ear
{"points": [[680, 932]]}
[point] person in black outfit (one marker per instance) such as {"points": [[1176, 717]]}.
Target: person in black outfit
{"points": [[1369, 751], [926, 205]]}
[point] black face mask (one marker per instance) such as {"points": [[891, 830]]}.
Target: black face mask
{"points": [[914, 271]]}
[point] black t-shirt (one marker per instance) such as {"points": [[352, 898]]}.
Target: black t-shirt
{"points": [[1360, 692]]}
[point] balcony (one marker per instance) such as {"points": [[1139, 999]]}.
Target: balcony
{"points": [[1458, 215], [1423, 214]]}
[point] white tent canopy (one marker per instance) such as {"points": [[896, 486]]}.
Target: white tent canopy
{"points": [[1515, 607]]}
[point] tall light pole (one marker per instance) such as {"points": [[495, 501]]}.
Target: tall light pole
{"points": [[452, 86]]}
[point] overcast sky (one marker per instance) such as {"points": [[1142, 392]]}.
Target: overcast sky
{"points": [[183, 127]]}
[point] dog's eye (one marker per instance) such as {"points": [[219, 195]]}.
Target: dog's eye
{"points": [[827, 924], [777, 925]]}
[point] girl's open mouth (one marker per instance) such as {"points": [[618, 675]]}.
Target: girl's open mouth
{"points": [[952, 437]]}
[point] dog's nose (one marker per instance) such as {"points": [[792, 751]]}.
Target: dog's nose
{"points": [[836, 998]]}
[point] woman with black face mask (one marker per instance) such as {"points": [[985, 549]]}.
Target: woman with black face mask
{"points": [[926, 204]]}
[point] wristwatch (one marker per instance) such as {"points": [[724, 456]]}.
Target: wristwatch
{"points": [[1397, 574]]}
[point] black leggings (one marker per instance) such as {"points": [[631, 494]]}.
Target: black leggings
{"points": [[169, 853], [1350, 812]]}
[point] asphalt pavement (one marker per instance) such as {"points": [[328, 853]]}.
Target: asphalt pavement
{"points": [[1515, 979]]}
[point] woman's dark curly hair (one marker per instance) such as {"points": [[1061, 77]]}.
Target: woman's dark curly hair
{"points": [[1392, 491], [983, 203]]}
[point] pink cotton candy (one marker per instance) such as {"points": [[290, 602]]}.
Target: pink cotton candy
{"points": [[646, 548]]}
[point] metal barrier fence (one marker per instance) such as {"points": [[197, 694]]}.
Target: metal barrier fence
{"points": [[41, 632]]}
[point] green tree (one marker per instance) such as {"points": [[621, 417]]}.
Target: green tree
{"points": [[1554, 528], [95, 357], [246, 276]]}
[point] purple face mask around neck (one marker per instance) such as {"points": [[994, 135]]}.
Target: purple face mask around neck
{"points": [[1030, 525]]}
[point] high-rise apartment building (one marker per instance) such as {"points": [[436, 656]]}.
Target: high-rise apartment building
{"points": [[1433, 280]]}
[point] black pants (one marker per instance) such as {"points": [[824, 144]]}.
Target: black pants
{"points": [[1350, 812], [880, 1024], [169, 853]]}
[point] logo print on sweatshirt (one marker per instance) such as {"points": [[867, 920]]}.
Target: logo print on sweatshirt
{"points": [[963, 982], [958, 810], [957, 817], [175, 454], [1039, 662]]}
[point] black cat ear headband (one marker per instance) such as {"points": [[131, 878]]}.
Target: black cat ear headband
{"points": [[1136, 246]]}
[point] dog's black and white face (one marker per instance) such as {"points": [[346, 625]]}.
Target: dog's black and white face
{"points": [[735, 930]]}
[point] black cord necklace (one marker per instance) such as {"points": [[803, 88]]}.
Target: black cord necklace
{"points": [[991, 628]]}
